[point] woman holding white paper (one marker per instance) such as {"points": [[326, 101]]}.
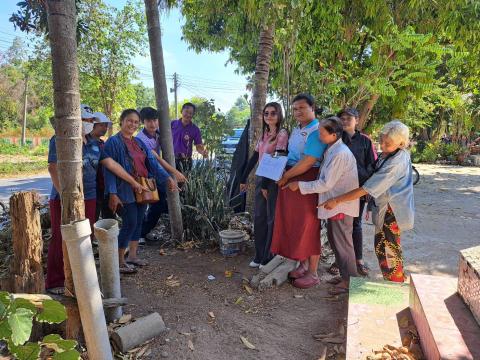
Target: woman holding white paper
{"points": [[274, 139]]}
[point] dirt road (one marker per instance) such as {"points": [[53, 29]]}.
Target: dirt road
{"points": [[280, 322]]}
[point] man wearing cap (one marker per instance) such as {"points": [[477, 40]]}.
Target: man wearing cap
{"points": [[185, 133], [101, 124], [361, 147], [92, 155]]}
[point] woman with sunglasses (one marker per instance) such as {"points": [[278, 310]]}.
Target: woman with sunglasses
{"points": [[273, 139]]}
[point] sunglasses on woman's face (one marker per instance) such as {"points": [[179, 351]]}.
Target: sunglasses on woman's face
{"points": [[266, 113]]}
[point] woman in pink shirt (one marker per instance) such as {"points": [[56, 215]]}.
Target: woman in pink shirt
{"points": [[274, 139]]}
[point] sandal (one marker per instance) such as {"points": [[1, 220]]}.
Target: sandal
{"points": [[56, 290], [362, 269], [333, 269], [335, 280], [137, 262], [127, 269], [337, 290]]}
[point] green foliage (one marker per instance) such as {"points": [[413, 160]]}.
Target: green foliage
{"points": [[212, 123], [9, 168], [205, 207], [16, 320], [114, 38], [437, 151], [238, 115]]}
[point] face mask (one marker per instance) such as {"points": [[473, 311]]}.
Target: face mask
{"points": [[86, 127]]}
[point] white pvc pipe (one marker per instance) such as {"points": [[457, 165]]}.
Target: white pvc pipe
{"points": [[106, 232], [77, 239]]}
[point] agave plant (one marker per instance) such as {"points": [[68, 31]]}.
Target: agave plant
{"points": [[205, 207]]}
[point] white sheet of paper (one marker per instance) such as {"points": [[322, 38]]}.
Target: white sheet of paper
{"points": [[272, 167]]}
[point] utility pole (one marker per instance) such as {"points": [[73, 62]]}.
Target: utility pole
{"points": [[174, 90], [24, 122]]}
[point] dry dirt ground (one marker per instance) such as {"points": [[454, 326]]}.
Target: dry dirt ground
{"points": [[280, 322]]}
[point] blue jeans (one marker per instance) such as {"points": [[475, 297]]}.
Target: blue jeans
{"points": [[132, 217], [153, 213]]}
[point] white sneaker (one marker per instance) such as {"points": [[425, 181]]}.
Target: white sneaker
{"points": [[141, 241], [253, 264]]}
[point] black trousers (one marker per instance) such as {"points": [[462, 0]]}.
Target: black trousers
{"points": [[357, 232], [263, 220]]}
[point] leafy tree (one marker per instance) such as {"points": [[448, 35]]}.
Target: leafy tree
{"points": [[239, 113], [144, 96], [106, 51]]}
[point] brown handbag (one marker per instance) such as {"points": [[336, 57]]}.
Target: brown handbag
{"points": [[150, 196], [145, 197]]}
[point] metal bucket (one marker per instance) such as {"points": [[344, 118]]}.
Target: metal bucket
{"points": [[232, 242]]}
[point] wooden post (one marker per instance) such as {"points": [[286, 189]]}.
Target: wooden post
{"points": [[26, 269]]}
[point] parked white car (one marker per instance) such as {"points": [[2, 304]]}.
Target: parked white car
{"points": [[230, 143]]}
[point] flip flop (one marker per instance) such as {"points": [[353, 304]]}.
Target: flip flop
{"points": [[126, 269], [137, 262], [335, 280], [56, 290], [333, 269], [362, 269], [336, 290]]}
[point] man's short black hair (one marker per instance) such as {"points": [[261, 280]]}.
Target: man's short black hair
{"points": [[148, 113], [189, 104], [304, 96]]}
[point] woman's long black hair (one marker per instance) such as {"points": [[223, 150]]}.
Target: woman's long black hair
{"points": [[278, 109]]}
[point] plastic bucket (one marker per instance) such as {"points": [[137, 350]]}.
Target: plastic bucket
{"points": [[232, 242]]}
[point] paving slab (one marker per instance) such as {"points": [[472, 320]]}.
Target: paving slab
{"points": [[375, 309], [446, 326]]}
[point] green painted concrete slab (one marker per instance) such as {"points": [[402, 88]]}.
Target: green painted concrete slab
{"points": [[374, 311]]}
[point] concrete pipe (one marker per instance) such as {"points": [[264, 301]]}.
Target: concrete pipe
{"points": [[106, 232], [77, 239], [141, 330]]}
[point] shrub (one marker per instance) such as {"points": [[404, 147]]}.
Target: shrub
{"points": [[16, 322], [437, 151], [205, 209]]}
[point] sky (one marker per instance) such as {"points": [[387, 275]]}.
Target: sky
{"points": [[205, 74]]}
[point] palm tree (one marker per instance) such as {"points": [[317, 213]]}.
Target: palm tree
{"points": [[259, 95], [62, 27], [161, 95]]}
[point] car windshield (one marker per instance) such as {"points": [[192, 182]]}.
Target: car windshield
{"points": [[237, 133]]}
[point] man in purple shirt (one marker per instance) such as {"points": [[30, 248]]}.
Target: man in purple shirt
{"points": [[185, 133]]}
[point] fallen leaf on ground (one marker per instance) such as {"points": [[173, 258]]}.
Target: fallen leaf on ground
{"points": [[239, 300], [170, 277], [190, 345], [125, 318], [248, 289], [162, 252], [334, 340], [323, 353], [323, 336], [211, 314], [185, 333], [228, 273], [247, 343], [172, 282]]}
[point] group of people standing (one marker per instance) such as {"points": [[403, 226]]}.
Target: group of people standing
{"points": [[110, 172], [332, 170]]}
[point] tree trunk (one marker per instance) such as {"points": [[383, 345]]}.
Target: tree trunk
{"points": [[26, 269], [62, 27], [161, 95], [366, 110], [259, 97]]}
